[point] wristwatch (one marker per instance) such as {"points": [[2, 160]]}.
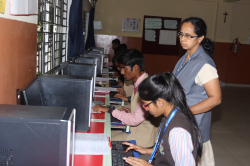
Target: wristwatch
{"points": [[111, 108]]}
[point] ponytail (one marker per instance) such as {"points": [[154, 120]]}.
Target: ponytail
{"points": [[208, 46]]}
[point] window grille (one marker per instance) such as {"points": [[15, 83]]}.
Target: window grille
{"points": [[51, 34]]}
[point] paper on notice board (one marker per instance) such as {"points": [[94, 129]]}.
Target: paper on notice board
{"points": [[150, 35], [170, 24], [94, 144], [153, 23], [2, 6], [23, 7], [167, 37]]}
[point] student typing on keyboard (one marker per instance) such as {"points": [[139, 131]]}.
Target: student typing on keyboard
{"points": [[141, 122], [179, 140]]}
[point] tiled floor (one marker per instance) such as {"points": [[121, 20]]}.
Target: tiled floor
{"points": [[230, 131]]}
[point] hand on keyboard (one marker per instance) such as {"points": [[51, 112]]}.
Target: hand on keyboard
{"points": [[136, 161], [121, 96], [135, 147]]}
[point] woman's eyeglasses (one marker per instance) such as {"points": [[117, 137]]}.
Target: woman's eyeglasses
{"points": [[186, 35], [146, 107]]}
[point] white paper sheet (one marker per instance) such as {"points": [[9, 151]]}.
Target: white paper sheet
{"points": [[23, 7], [170, 24], [150, 35], [94, 144], [97, 25], [105, 89], [101, 79], [167, 37], [153, 23]]}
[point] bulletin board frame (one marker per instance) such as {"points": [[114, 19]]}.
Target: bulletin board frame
{"points": [[154, 47]]}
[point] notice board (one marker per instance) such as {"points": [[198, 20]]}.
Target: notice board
{"points": [[160, 35]]}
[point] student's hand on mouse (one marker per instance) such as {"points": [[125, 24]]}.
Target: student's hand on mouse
{"points": [[125, 109], [120, 96], [100, 108], [121, 91], [135, 147], [136, 161]]}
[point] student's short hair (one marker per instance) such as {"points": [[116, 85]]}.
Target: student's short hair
{"points": [[132, 57], [116, 41]]}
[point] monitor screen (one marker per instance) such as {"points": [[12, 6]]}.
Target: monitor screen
{"points": [[36, 135]]}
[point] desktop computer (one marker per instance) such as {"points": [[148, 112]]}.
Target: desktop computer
{"points": [[62, 91], [99, 62], [36, 136], [80, 69]]}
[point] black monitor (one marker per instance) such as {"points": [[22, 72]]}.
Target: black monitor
{"points": [[80, 69], [99, 62], [62, 91], [36, 135], [87, 60]]}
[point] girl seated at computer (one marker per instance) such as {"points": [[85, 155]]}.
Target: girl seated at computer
{"points": [[179, 141]]}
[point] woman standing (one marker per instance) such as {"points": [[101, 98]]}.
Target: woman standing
{"points": [[179, 140], [198, 76]]}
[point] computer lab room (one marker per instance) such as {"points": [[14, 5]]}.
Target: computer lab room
{"points": [[120, 83]]}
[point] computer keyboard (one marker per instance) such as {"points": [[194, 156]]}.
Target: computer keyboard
{"points": [[113, 119], [118, 152], [112, 94]]}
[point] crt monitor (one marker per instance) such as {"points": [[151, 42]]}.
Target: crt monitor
{"points": [[36, 135], [87, 60], [99, 62], [80, 69], [62, 91]]}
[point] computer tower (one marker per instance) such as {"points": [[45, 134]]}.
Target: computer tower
{"points": [[36, 136]]}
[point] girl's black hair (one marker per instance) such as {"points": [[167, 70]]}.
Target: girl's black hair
{"points": [[200, 28], [166, 86]]}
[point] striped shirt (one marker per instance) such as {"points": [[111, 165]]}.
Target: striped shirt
{"points": [[181, 146]]}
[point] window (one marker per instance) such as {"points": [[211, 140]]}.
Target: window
{"points": [[51, 34]]}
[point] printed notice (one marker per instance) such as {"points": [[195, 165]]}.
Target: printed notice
{"points": [[23, 7], [2, 6], [131, 24], [153, 23], [170, 24], [167, 37], [150, 35], [94, 144]]}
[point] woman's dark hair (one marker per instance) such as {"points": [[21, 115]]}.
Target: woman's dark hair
{"points": [[132, 57], [166, 86], [200, 28]]}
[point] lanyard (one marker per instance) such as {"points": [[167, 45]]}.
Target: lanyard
{"points": [[177, 71], [159, 140]]}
